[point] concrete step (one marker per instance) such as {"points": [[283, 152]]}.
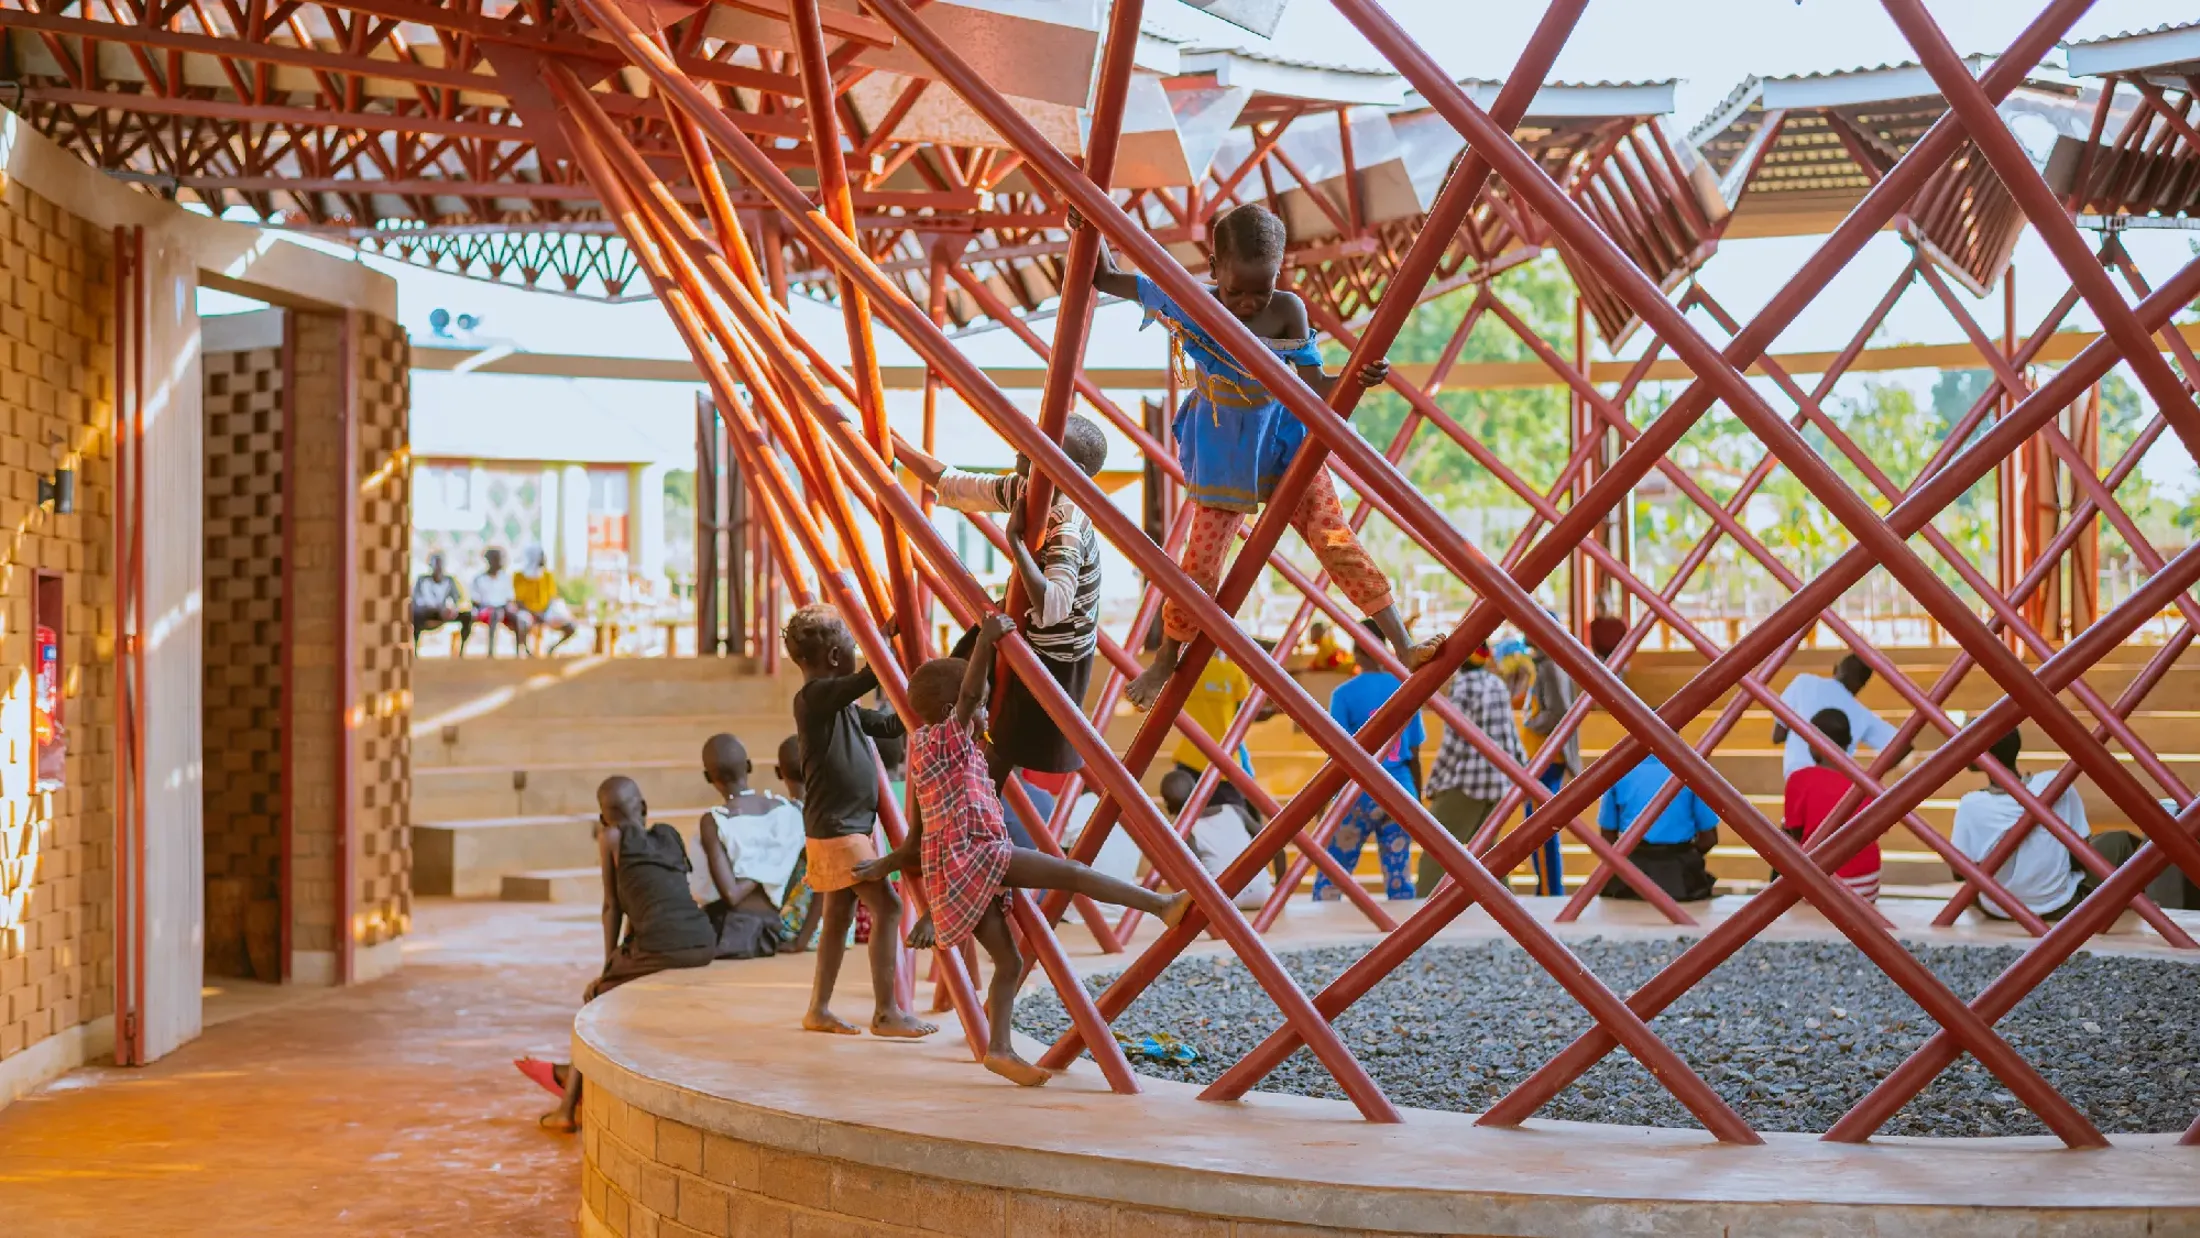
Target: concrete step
{"points": [[469, 858], [471, 792], [517, 743], [447, 693], [554, 885]]}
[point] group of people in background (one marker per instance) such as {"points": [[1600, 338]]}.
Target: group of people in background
{"points": [[521, 602]]}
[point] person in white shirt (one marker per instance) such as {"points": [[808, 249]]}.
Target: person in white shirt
{"points": [[435, 602], [741, 860], [494, 603], [2042, 874], [1807, 694], [1218, 838]]}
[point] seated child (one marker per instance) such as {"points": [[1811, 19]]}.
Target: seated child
{"points": [[798, 912], [1061, 587], [1811, 794], [959, 845], [1218, 838], [1235, 439], [650, 924], [743, 857], [839, 814]]}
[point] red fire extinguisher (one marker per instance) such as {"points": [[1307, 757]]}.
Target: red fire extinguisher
{"points": [[46, 729]]}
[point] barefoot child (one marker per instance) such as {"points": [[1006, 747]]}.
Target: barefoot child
{"points": [[1235, 439], [839, 812], [650, 923], [1061, 588], [959, 843], [744, 856]]}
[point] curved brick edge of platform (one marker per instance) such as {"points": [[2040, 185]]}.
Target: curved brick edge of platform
{"points": [[709, 1112]]}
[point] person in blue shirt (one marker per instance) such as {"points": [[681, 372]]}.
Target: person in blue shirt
{"points": [[1671, 853], [1352, 704]]}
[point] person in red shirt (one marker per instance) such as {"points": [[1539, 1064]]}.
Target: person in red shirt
{"points": [[1811, 794]]}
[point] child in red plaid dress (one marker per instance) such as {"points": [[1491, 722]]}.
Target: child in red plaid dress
{"points": [[960, 847]]}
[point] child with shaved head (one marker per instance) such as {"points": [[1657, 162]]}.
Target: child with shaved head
{"points": [[959, 845], [744, 855], [650, 923]]}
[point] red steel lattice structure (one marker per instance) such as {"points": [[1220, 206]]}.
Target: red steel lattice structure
{"points": [[623, 118]]}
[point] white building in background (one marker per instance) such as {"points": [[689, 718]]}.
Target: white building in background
{"points": [[577, 466]]}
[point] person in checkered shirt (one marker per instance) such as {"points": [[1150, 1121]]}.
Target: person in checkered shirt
{"points": [[958, 844], [1465, 786]]}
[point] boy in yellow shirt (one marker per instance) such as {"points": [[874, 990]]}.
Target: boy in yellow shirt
{"points": [[535, 589]]}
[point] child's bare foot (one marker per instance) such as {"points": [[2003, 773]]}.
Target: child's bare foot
{"points": [[923, 936], [560, 1121], [827, 1021], [1424, 653], [1179, 904], [901, 1025], [1016, 1070], [1146, 689]]}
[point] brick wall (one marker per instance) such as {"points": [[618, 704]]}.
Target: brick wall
{"points": [[383, 872], [645, 1176], [241, 708], [316, 516], [379, 591], [56, 392]]}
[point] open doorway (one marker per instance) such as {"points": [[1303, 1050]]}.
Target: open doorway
{"points": [[249, 376]]}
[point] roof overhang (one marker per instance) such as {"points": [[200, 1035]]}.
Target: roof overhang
{"points": [[2164, 56]]}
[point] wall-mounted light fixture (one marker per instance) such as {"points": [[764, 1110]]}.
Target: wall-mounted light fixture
{"points": [[58, 490]]}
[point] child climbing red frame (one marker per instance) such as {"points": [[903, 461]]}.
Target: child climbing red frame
{"points": [[959, 842], [1234, 439]]}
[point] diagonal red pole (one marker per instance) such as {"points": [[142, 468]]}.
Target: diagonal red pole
{"points": [[657, 263], [2029, 189], [1838, 845], [820, 104]]}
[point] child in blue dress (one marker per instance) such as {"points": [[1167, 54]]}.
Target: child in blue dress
{"points": [[1235, 439]]}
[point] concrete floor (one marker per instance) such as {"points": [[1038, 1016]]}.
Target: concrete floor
{"points": [[387, 1109]]}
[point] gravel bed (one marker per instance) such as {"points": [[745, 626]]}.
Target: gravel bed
{"points": [[1790, 1033]]}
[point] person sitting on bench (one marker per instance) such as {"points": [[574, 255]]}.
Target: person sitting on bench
{"points": [[1672, 852], [494, 605], [435, 602], [2042, 874]]}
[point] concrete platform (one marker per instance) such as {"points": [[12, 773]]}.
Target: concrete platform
{"points": [[554, 885], [710, 1109]]}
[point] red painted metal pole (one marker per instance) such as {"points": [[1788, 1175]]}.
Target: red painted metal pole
{"points": [[820, 104], [2032, 195], [661, 264]]}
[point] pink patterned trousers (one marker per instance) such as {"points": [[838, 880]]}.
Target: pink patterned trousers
{"points": [[1319, 519]]}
